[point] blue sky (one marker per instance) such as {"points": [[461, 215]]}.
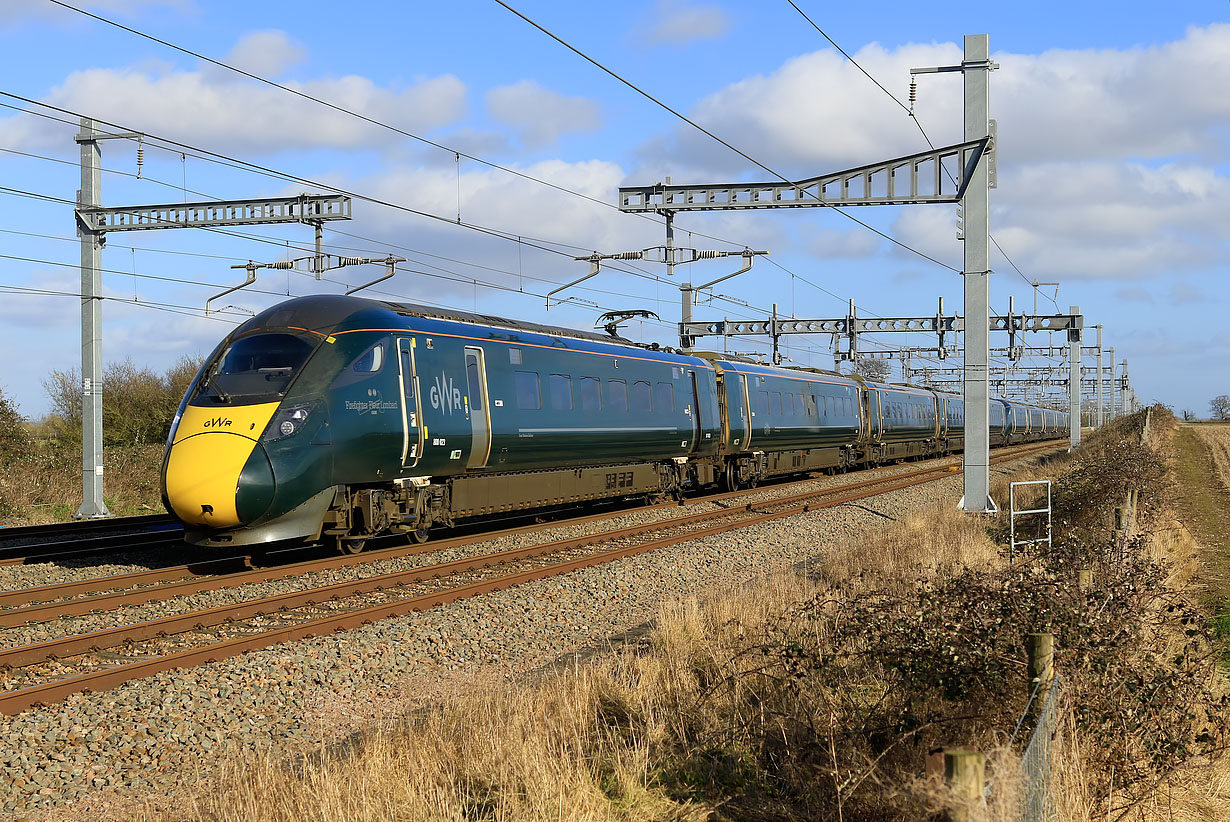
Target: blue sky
{"points": [[1113, 162]]}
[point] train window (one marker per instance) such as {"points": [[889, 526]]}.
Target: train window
{"points": [[664, 397], [617, 395], [591, 394], [764, 403], [561, 392], [514, 356], [475, 383], [642, 396], [799, 410], [788, 403], [775, 403], [529, 392], [370, 361], [809, 405]]}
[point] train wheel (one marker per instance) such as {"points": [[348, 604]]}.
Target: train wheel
{"points": [[421, 535], [351, 545], [732, 477]]}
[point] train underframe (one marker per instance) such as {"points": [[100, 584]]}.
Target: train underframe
{"points": [[413, 506]]}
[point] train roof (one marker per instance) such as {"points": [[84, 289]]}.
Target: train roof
{"points": [[326, 313]]}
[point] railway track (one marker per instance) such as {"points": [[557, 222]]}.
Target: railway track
{"points": [[75, 540], [50, 670]]}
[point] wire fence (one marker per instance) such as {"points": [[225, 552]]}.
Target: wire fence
{"points": [[1036, 805]]}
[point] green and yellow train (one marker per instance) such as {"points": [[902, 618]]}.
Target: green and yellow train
{"points": [[340, 418]]}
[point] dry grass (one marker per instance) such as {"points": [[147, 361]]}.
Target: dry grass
{"points": [[1217, 438], [45, 485]]}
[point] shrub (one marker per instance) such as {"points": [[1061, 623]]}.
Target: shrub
{"points": [[138, 404]]}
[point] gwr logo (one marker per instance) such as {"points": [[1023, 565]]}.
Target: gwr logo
{"points": [[217, 422], [444, 394]]}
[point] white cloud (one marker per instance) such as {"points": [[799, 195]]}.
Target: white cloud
{"points": [[265, 53], [541, 115], [227, 112], [676, 22], [16, 11]]}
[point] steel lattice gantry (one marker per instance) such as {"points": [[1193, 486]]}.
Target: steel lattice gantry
{"points": [[93, 223], [913, 179]]}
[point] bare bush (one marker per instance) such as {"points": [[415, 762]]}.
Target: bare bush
{"points": [[138, 403]]}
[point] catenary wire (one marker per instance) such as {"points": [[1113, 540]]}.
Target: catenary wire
{"points": [[913, 117]]}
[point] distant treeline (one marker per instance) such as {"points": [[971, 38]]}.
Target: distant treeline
{"points": [[138, 406]]}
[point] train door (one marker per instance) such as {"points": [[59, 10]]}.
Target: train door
{"points": [[411, 408], [696, 428], [747, 413], [477, 408]]}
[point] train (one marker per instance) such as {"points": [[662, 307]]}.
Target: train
{"points": [[338, 419]]}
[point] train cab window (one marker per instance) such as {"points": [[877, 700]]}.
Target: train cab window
{"points": [[259, 365], [514, 356], [617, 395], [561, 392], [642, 396], [591, 394], [664, 397], [529, 389]]}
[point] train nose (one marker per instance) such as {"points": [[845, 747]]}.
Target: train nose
{"points": [[218, 480]]}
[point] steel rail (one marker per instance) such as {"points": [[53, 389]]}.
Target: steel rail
{"points": [[21, 699], [89, 546], [185, 579]]}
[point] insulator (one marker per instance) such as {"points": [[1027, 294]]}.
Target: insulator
{"points": [[350, 261], [282, 264], [140, 158], [709, 255], [913, 93]]}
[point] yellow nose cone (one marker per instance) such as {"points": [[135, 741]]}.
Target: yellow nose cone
{"points": [[210, 450]]}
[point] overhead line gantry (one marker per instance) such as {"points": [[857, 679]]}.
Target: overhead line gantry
{"points": [[913, 179]]}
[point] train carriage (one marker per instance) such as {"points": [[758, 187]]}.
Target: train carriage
{"points": [[340, 418]]}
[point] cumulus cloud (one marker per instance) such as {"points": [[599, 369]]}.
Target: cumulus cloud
{"points": [[231, 113], [540, 115], [676, 22], [265, 53]]}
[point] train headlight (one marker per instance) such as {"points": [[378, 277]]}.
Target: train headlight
{"points": [[288, 421]]}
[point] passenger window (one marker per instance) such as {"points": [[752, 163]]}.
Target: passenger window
{"points": [[642, 396], [664, 397], [591, 394], [617, 395], [472, 378], [529, 391], [561, 392], [514, 356], [788, 403], [764, 402], [775, 403], [371, 360]]}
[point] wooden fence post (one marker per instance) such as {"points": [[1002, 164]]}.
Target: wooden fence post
{"points": [[1041, 651], [964, 772]]}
